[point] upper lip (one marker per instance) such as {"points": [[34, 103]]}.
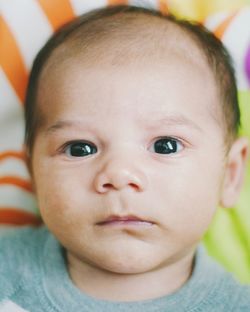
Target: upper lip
{"points": [[123, 218]]}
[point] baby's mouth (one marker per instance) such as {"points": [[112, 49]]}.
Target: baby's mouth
{"points": [[128, 220]]}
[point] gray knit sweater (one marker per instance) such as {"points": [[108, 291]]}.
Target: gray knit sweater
{"points": [[33, 276]]}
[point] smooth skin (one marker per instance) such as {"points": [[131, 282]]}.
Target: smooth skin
{"points": [[134, 140]]}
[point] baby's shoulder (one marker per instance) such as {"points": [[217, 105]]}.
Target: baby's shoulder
{"points": [[219, 289], [243, 300], [18, 253], [231, 295], [16, 244]]}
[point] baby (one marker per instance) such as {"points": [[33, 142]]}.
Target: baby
{"points": [[132, 142]]}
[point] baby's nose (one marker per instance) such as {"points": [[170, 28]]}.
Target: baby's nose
{"points": [[119, 174]]}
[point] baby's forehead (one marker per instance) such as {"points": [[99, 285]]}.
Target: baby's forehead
{"points": [[144, 39], [151, 46]]}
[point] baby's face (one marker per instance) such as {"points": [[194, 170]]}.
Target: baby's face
{"points": [[128, 166]]}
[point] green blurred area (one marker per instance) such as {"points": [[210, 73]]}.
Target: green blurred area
{"points": [[228, 238]]}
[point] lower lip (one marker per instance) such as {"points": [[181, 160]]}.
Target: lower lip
{"points": [[122, 223]]}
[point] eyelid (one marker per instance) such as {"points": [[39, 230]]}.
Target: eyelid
{"points": [[181, 141], [70, 142]]}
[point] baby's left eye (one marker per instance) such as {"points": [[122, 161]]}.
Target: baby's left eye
{"points": [[166, 146], [80, 149]]}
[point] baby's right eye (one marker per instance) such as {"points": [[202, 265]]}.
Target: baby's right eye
{"points": [[80, 149]]}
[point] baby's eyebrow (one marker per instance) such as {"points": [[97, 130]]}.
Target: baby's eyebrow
{"points": [[170, 121], [173, 120], [62, 124]]}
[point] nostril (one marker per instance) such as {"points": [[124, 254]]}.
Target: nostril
{"points": [[111, 186], [134, 186], [108, 185]]}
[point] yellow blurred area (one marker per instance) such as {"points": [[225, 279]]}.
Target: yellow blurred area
{"points": [[200, 9]]}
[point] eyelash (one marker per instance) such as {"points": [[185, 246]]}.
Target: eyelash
{"points": [[172, 146]]}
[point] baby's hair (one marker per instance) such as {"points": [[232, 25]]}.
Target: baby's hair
{"points": [[88, 32]]}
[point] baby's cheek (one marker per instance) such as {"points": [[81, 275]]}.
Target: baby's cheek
{"points": [[189, 200]]}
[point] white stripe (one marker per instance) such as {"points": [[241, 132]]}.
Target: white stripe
{"points": [[236, 39], [11, 117], [12, 133], [14, 167], [151, 4], [12, 196], [79, 6], [9, 306], [8, 98], [28, 24]]}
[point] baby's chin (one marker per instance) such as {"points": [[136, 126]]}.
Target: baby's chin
{"points": [[127, 266], [126, 259]]}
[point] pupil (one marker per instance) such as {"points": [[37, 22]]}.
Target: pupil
{"points": [[81, 149], [165, 146]]}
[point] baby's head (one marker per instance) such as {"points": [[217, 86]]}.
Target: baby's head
{"points": [[131, 132]]}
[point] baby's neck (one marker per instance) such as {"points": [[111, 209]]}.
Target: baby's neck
{"points": [[111, 286]]}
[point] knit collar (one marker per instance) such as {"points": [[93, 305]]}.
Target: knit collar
{"points": [[57, 289]]}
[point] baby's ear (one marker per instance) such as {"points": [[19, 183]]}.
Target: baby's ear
{"points": [[234, 172]]}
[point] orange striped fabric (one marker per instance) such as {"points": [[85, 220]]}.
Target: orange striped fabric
{"points": [[11, 60], [163, 7], [12, 154], [16, 181], [58, 12], [117, 2], [220, 30], [17, 217]]}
